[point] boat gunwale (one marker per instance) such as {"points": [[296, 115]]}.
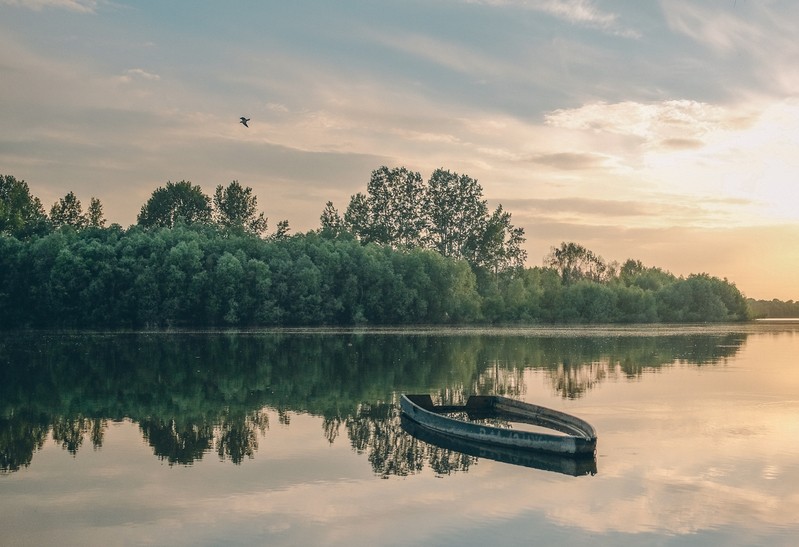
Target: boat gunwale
{"points": [[579, 436]]}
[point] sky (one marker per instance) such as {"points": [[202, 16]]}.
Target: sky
{"points": [[666, 132]]}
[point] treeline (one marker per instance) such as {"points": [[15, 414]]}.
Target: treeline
{"points": [[773, 308], [191, 261], [205, 276]]}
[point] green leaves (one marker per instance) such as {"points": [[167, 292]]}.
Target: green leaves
{"points": [[448, 215], [21, 214], [236, 207], [176, 202]]}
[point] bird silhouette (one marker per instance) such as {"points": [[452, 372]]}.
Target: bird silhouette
{"points": [[244, 121]]}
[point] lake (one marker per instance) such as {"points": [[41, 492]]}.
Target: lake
{"points": [[295, 437]]}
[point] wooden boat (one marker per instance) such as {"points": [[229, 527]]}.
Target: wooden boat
{"points": [[578, 436]]}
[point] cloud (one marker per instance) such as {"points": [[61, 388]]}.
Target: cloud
{"points": [[673, 122], [84, 6], [578, 12], [569, 160], [749, 41], [723, 30], [138, 73]]}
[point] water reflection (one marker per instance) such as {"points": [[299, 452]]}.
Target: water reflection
{"points": [[194, 394]]}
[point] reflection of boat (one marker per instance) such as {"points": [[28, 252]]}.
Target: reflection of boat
{"points": [[575, 465], [578, 436]]}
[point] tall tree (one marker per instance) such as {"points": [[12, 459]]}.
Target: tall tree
{"points": [[176, 202], [236, 207], [281, 231], [391, 213], [67, 211], [456, 214], [331, 221], [94, 215], [574, 262], [21, 214], [448, 214], [499, 247]]}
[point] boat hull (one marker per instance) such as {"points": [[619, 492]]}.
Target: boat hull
{"points": [[579, 437]]}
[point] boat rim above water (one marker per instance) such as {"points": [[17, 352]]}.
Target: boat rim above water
{"points": [[578, 436]]}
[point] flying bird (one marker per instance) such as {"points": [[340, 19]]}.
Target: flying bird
{"points": [[244, 121]]}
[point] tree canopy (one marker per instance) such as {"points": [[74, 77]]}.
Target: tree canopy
{"points": [[21, 214], [447, 214], [188, 263], [176, 202], [236, 207]]}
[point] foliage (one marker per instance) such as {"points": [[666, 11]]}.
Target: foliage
{"points": [[21, 214], [94, 215], [67, 212], [773, 308], [448, 215], [574, 262], [235, 207], [176, 202], [406, 253]]}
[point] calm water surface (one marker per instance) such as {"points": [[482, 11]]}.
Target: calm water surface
{"points": [[294, 438]]}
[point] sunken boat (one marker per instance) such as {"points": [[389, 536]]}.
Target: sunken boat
{"points": [[574, 436]]}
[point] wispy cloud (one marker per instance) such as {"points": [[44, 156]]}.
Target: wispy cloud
{"points": [[85, 6], [723, 30], [138, 73], [670, 124], [579, 12]]}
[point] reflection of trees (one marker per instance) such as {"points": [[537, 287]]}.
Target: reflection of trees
{"points": [[20, 436], [234, 438], [375, 429], [177, 442], [192, 394], [238, 435], [576, 367], [70, 431]]}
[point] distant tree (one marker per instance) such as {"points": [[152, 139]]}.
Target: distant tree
{"points": [[331, 222], [282, 230], [773, 308], [448, 214], [67, 211], [173, 203], [236, 207], [21, 214], [94, 216], [456, 213], [499, 247], [391, 213], [358, 218], [634, 273], [574, 262]]}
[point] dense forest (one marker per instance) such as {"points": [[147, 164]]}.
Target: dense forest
{"points": [[773, 308], [406, 252]]}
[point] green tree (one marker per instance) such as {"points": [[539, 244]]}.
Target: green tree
{"points": [[236, 207], [391, 214], [499, 247], [574, 262], [456, 213], [281, 231], [21, 214], [332, 225], [94, 215], [173, 203], [67, 211]]}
